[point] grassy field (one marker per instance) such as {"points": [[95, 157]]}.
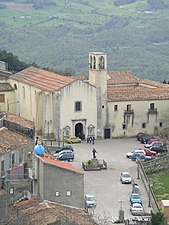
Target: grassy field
{"points": [[61, 35], [160, 185]]}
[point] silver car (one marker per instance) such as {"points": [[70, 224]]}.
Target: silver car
{"points": [[62, 152], [125, 178], [90, 201]]}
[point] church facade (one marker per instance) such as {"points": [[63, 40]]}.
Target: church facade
{"points": [[106, 105]]}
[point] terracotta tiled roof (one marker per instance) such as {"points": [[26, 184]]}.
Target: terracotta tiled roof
{"points": [[153, 84], [5, 87], [122, 77], [10, 140], [19, 120], [42, 213], [42, 79], [58, 163], [136, 93]]}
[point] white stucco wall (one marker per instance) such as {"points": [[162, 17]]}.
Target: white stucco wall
{"points": [[86, 94], [116, 118]]}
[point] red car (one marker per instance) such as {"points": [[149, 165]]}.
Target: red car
{"points": [[149, 152], [152, 140]]}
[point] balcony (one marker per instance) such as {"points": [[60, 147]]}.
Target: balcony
{"points": [[153, 111], [129, 112]]}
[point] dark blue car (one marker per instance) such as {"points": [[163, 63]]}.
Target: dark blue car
{"points": [[67, 156], [139, 155]]}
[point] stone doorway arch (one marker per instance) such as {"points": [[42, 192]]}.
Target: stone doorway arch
{"points": [[79, 131]]}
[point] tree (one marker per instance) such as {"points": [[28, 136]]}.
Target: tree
{"points": [[14, 64], [158, 218]]}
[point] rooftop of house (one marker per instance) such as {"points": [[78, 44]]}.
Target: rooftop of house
{"points": [[43, 79], [5, 87], [125, 86], [18, 120], [10, 140], [52, 161], [37, 212]]}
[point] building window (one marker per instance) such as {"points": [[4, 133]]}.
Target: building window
{"points": [[101, 62], [2, 98], [115, 107], [124, 126], [90, 63], [15, 87], [128, 108], [143, 125], [13, 159], [23, 92], [68, 193], [78, 106], [102, 106], [94, 62], [160, 124], [152, 106]]}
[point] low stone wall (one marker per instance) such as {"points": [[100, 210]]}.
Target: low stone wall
{"points": [[156, 165]]}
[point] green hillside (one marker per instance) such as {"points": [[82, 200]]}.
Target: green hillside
{"points": [[60, 33]]}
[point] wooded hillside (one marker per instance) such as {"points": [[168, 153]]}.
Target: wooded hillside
{"points": [[60, 34]]}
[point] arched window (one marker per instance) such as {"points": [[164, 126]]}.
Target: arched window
{"points": [[23, 92], [101, 62], [15, 87], [90, 63], [94, 62]]}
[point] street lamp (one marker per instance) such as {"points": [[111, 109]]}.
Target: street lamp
{"points": [[149, 194], [63, 138], [138, 172]]}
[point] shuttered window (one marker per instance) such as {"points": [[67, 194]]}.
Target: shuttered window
{"points": [[2, 98]]}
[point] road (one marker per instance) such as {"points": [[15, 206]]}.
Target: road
{"points": [[105, 184]]}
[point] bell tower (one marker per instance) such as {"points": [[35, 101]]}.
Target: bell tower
{"points": [[98, 78]]}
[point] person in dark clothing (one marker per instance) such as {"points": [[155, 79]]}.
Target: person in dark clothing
{"points": [[93, 139], [94, 153]]}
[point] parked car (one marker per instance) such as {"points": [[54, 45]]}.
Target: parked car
{"points": [[68, 156], [138, 136], [90, 201], [153, 143], [73, 140], [62, 151], [135, 188], [152, 140], [125, 178], [149, 152], [145, 138], [142, 156], [135, 198], [136, 209], [158, 148], [129, 154]]}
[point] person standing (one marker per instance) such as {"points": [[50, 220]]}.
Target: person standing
{"points": [[94, 153]]}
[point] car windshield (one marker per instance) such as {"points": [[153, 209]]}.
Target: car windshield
{"points": [[135, 196], [126, 175], [90, 198], [137, 207]]}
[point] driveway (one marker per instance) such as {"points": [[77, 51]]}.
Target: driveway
{"points": [[105, 184]]}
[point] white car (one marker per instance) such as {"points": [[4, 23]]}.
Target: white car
{"points": [[90, 201], [129, 154], [125, 178], [62, 151], [136, 209]]}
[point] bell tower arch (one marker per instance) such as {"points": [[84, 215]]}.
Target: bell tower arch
{"points": [[98, 78]]}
